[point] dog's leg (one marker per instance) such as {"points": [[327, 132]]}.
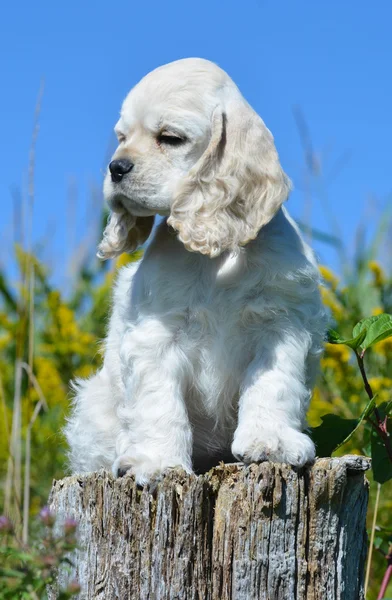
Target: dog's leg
{"points": [[274, 400], [156, 433], [93, 426]]}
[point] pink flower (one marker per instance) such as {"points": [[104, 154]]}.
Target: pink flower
{"points": [[5, 525], [70, 525], [47, 517]]}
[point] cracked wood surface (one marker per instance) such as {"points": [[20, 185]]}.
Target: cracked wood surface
{"points": [[266, 532]]}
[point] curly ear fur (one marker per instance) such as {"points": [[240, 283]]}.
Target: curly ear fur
{"points": [[124, 233], [234, 189]]}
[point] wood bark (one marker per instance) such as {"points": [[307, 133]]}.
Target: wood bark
{"points": [[266, 531]]}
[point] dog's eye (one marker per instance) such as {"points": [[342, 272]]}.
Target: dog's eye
{"points": [[170, 139]]}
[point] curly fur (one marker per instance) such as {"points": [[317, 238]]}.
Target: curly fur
{"points": [[123, 233], [236, 187]]}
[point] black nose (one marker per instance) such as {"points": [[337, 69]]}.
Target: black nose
{"points": [[119, 168]]}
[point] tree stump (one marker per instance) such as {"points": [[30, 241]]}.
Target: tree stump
{"points": [[266, 531]]}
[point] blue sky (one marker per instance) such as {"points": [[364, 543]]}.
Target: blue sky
{"points": [[331, 59]]}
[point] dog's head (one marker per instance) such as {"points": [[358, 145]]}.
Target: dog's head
{"points": [[192, 149]]}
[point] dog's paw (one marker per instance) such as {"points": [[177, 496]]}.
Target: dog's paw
{"points": [[279, 444], [144, 472]]}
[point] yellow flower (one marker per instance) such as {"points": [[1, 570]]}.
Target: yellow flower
{"points": [[66, 320], [380, 384], [329, 276], [384, 395], [330, 300], [338, 351], [5, 341], [384, 347], [84, 371], [318, 407], [4, 321], [377, 272], [330, 363], [50, 381], [375, 383], [377, 310], [53, 299], [354, 398], [125, 258]]}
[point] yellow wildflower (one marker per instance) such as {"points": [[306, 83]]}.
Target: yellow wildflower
{"points": [[318, 407], [84, 371], [5, 341], [338, 351], [377, 272], [384, 396], [333, 368], [330, 300], [329, 276], [377, 310], [375, 383], [125, 258], [384, 347], [66, 321], [330, 363], [378, 384], [50, 381], [355, 398], [53, 299]]}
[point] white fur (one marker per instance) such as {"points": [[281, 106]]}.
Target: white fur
{"points": [[215, 336]]}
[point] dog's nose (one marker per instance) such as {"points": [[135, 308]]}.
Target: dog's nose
{"points": [[119, 168]]}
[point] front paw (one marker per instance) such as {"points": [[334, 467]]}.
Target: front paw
{"points": [[145, 471], [280, 444]]}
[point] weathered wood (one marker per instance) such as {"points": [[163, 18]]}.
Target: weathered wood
{"points": [[266, 532]]}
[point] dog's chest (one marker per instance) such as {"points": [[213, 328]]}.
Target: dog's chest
{"points": [[205, 291], [203, 302]]}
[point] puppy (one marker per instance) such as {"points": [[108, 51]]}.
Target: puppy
{"points": [[215, 335]]}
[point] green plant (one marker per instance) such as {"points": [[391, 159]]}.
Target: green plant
{"points": [[336, 430], [27, 570]]}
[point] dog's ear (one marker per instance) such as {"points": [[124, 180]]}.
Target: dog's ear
{"points": [[234, 189], [123, 233]]}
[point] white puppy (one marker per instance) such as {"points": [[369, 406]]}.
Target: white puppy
{"points": [[215, 336]]}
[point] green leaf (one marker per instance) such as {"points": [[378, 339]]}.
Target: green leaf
{"points": [[383, 409], [331, 433], [377, 328], [335, 431], [388, 407], [381, 464], [368, 409], [333, 337], [382, 540], [11, 573]]}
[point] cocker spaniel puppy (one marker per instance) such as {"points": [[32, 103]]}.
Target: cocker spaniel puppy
{"points": [[215, 335]]}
